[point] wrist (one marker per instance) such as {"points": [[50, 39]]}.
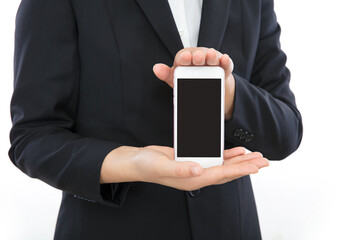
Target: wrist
{"points": [[229, 96], [118, 165]]}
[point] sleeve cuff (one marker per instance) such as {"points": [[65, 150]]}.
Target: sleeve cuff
{"points": [[234, 131], [110, 194]]}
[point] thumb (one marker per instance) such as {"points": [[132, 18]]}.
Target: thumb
{"points": [[164, 73], [180, 169]]}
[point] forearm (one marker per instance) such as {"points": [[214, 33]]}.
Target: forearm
{"points": [[45, 143], [262, 122], [59, 157], [265, 116]]}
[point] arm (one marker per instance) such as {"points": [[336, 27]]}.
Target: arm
{"points": [[43, 109], [44, 105], [265, 117], [261, 112]]}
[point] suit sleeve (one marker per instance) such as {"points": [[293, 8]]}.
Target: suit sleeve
{"points": [[44, 104], [265, 117]]}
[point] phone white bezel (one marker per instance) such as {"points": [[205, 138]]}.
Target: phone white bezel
{"points": [[200, 72]]}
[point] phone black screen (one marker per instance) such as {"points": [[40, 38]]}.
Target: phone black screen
{"points": [[199, 117]]}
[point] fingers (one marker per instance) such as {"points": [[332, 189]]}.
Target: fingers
{"points": [[164, 73], [197, 56], [242, 158], [180, 169], [227, 64], [212, 57], [167, 167], [229, 153], [213, 175], [217, 175], [258, 162], [184, 59], [234, 171], [161, 70], [255, 158]]}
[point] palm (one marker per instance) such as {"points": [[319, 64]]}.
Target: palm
{"points": [[156, 164]]}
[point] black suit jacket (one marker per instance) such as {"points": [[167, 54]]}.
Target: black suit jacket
{"points": [[84, 85]]}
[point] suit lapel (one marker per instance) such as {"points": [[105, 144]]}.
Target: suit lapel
{"points": [[159, 14], [214, 18]]}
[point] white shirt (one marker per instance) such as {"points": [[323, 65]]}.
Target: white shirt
{"points": [[187, 16]]}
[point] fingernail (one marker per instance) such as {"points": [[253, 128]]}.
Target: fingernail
{"points": [[198, 53], [155, 66], [195, 170]]}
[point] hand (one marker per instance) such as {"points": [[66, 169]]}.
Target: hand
{"points": [[199, 56], [156, 164]]}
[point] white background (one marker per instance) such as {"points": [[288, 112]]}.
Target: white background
{"points": [[313, 194]]}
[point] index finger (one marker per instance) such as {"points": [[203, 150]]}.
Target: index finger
{"points": [[184, 56]]}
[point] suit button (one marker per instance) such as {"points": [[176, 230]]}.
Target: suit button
{"points": [[237, 132], [243, 135], [194, 193], [249, 138]]}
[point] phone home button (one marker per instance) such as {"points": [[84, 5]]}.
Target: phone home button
{"points": [[194, 193]]}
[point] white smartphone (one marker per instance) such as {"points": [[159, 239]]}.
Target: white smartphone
{"points": [[199, 114]]}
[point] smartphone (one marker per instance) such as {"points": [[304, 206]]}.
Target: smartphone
{"points": [[199, 114]]}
